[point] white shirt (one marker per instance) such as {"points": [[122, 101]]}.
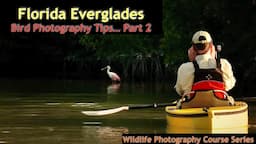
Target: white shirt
{"points": [[185, 75]]}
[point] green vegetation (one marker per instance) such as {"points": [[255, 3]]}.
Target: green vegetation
{"points": [[138, 57]]}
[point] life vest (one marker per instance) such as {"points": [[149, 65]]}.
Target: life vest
{"points": [[209, 79]]}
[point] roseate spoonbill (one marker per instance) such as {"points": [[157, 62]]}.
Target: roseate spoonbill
{"points": [[113, 76]]}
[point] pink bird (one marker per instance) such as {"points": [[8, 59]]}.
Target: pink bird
{"points": [[113, 76]]}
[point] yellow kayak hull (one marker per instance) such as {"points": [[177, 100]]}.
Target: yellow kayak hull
{"points": [[224, 119]]}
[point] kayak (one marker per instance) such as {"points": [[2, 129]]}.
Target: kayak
{"points": [[221, 119]]}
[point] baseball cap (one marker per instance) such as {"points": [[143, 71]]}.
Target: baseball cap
{"points": [[201, 37]]}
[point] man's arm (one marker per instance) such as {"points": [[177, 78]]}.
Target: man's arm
{"points": [[228, 76], [185, 77]]}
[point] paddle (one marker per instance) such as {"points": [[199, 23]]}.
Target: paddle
{"points": [[123, 108], [247, 99], [155, 105]]}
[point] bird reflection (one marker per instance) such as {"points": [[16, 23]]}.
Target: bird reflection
{"points": [[113, 88]]}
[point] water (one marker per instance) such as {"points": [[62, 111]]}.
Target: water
{"points": [[48, 111]]}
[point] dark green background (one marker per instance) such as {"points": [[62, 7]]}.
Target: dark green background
{"points": [[136, 57]]}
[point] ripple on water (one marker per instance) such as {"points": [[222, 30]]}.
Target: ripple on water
{"points": [[84, 104]]}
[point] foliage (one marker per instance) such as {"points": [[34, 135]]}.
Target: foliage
{"points": [[138, 56]]}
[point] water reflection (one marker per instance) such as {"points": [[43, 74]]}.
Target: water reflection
{"points": [[103, 134], [113, 88], [50, 111]]}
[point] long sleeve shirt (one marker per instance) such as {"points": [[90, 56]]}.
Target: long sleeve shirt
{"points": [[185, 75]]}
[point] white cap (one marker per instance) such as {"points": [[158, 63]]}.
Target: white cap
{"points": [[201, 37]]}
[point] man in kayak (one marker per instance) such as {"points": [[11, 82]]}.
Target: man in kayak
{"points": [[204, 81]]}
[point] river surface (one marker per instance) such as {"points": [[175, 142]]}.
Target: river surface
{"points": [[49, 111]]}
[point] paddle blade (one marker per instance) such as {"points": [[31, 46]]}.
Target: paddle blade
{"points": [[105, 112]]}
